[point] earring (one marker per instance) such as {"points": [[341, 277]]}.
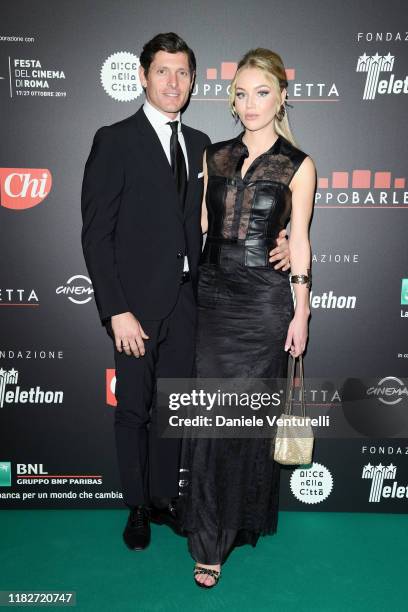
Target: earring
{"points": [[281, 113]]}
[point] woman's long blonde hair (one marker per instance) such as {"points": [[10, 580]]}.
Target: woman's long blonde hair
{"points": [[272, 66]]}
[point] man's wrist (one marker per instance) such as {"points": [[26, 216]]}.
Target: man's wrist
{"points": [[119, 314]]}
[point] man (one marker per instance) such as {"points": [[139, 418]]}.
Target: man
{"points": [[141, 237]]}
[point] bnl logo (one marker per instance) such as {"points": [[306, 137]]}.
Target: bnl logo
{"points": [[404, 292], [5, 474], [378, 473], [373, 65]]}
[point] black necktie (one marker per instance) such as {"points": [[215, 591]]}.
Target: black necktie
{"points": [[178, 163]]}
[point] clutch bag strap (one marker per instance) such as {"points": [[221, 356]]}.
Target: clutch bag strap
{"points": [[290, 385]]}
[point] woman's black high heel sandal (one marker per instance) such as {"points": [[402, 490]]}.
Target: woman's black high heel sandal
{"points": [[210, 572]]}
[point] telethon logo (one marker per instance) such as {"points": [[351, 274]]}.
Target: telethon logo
{"points": [[374, 65], [378, 490], [34, 395], [22, 188]]}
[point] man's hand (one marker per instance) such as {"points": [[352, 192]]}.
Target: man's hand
{"points": [[281, 252], [129, 334]]}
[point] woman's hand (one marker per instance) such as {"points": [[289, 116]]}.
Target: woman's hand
{"points": [[297, 334], [281, 252]]}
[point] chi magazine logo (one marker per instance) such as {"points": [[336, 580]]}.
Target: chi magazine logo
{"points": [[5, 474], [22, 188], [78, 289], [111, 387], [33, 395], [311, 485], [383, 483], [120, 77], [375, 67]]}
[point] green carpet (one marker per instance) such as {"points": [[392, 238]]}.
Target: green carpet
{"points": [[316, 561]]}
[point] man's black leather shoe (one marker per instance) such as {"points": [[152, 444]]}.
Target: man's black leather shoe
{"points": [[166, 516], [137, 531]]}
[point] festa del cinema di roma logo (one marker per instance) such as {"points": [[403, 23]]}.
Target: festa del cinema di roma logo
{"points": [[22, 188]]}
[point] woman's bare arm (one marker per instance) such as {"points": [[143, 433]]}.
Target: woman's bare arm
{"points": [[303, 188]]}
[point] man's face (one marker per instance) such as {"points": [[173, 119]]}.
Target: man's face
{"points": [[168, 82]]}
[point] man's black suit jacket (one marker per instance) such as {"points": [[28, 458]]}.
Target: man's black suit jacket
{"points": [[134, 233]]}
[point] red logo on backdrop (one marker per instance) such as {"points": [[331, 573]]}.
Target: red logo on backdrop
{"points": [[110, 387], [24, 187]]}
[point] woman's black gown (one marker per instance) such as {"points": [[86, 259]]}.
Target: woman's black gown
{"points": [[231, 486]]}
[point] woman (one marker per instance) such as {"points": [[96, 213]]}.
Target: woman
{"points": [[254, 184]]}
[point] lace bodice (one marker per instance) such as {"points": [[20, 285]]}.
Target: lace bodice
{"points": [[252, 210]]}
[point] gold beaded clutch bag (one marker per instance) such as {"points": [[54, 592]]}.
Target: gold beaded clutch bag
{"points": [[294, 436]]}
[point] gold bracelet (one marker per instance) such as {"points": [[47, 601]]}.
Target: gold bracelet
{"points": [[302, 279]]}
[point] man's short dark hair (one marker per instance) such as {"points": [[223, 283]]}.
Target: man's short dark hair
{"points": [[170, 42]]}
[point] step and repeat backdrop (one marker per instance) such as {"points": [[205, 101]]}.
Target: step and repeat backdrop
{"points": [[67, 68]]}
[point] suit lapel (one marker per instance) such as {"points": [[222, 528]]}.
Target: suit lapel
{"points": [[192, 169], [154, 151]]}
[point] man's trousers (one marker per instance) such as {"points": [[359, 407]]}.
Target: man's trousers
{"points": [[148, 464]]}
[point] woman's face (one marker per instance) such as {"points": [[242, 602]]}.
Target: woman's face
{"points": [[256, 101]]}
